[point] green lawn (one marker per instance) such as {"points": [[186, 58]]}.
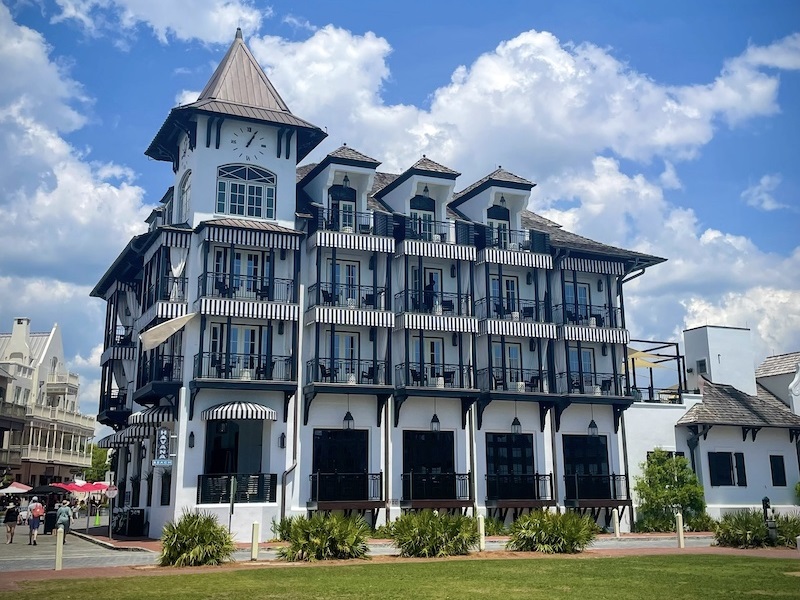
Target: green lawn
{"points": [[649, 578]]}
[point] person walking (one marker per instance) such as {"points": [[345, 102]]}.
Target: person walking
{"points": [[64, 518], [10, 521], [35, 514]]}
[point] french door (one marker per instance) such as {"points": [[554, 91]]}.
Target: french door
{"points": [[339, 465], [499, 232], [584, 299], [504, 295], [428, 465], [584, 370], [345, 356], [432, 353], [513, 372], [586, 467], [422, 222], [345, 276]]}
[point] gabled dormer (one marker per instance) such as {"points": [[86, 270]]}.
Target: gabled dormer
{"points": [[424, 188], [235, 149]]}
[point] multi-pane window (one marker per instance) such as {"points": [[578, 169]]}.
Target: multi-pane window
{"points": [[246, 190], [186, 197], [727, 468]]}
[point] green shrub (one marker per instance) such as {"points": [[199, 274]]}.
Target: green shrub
{"points": [[281, 529], [667, 482], [655, 523], [742, 529], [552, 533], [326, 538], [788, 529], [494, 526], [701, 522], [797, 491], [429, 534], [196, 539], [383, 532]]}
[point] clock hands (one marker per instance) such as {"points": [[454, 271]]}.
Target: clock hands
{"points": [[250, 141]]}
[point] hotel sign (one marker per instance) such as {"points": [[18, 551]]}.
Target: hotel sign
{"points": [[162, 457]]}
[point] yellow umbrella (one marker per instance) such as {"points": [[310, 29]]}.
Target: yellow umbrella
{"points": [[638, 362]]}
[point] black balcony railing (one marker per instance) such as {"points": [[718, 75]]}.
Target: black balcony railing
{"points": [[167, 289], [243, 287], [349, 296], [519, 487], [250, 487], [347, 371], [259, 367], [596, 487], [348, 221], [511, 309], [592, 384], [428, 230], [160, 368], [504, 238], [656, 395], [123, 336], [436, 486], [341, 487], [115, 400], [588, 315], [433, 376], [513, 380], [432, 302]]}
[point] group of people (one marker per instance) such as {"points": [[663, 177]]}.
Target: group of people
{"points": [[36, 511]]}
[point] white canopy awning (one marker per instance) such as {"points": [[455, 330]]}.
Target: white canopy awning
{"points": [[159, 334], [152, 416], [239, 411]]}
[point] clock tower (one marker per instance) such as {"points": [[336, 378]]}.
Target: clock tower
{"points": [[235, 149]]}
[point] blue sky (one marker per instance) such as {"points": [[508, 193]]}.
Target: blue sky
{"points": [[666, 127]]}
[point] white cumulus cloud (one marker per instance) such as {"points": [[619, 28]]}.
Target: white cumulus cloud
{"points": [[761, 194]]}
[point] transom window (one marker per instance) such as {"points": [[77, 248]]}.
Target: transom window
{"points": [[245, 190]]}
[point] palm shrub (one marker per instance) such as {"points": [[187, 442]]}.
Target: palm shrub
{"points": [[494, 526], [195, 539], [788, 529], [383, 532], [429, 534], [281, 529], [326, 538], [701, 522], [742, 529], [552, 533]]}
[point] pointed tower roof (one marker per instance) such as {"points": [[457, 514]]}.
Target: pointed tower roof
{"points": [[238, 88]]}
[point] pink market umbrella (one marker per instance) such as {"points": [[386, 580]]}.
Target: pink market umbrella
{"points": [[16, 488]]}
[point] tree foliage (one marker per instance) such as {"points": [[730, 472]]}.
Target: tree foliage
{"points": [[99, 468], [667, 484]]}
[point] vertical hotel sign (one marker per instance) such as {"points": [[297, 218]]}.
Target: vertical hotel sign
{"points": [[162, 455]]}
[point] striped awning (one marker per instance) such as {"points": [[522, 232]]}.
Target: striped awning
{"points": [[136, 432], [239, 411], [580, 333], [248, 309], [515, 258], [171, 238], [114, 440], [353, 241], [256, 238], [436, 250], [350, 316], [152, 416], [589, 265]]}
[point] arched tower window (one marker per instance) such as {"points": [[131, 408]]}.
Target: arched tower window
{"points": [[246, 190], [186, 197]]}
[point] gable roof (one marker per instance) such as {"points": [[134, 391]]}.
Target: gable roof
{"points": [[345, 152], [343, 155], [238, 88], [780, 364], [424, 166], [499, 177], [725, 405]]}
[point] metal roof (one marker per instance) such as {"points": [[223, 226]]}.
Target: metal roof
{"points": [[780, 364], [725, 405], [37, 343], [248, 224]]}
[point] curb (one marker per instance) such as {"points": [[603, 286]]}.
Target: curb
{"points": [[108, 545]]}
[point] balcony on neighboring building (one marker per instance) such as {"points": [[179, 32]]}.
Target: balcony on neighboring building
{"points": [[158, 376], [343, 295], [10, 411], [77, 458], [10, 458], [436, 490], [114, 409], [433, 377], [248, 488], [591, 384], [61, 383], [59, 414], [359, 492]]}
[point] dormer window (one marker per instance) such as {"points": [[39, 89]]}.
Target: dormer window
{"points": [[246, 190], [497, 218]]}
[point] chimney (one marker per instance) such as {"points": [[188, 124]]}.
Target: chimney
{"points": [[721, 355], [18, 349]]}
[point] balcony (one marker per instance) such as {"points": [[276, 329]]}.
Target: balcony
{"points": [[114, 409], [435, 239], [346, 491], [166, 289], [595, 490], [242, 287], [522, 240], [14, 412], [243, 367], [158, 376], [119, 345], [365, 297], [512, 309], [56, 455], [347, 371], [436, 490], [61, 384], [521, 381], [347, 221], [10, 458], [60, 415], [587, 315], [591, 384], [123, 336], [247, 488], [528, 489], [432, 302], [443, 376]]}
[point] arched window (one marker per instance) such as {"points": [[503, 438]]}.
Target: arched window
{"points": [[245, 190], [186, 197]]}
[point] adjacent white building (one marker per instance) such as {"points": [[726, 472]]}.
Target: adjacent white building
{"points": [[43, 435], [329, 336]]}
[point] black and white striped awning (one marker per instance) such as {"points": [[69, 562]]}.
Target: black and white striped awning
{"points": [[254, 238], [115, 440], [152, 416], [436, 250], [350, 316], [161, 310], [249, 309], [532, 260], [527, 329], [169, 238], [136, 432], [580, 333], [353, 241], [589, 265], [239, 411], [437, 323]]}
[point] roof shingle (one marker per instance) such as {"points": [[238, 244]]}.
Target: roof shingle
{"points": [[780, 364]]}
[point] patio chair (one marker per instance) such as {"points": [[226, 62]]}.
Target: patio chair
{"points": [[368, 300], [499, 381], [449, 378], [368, 375], [326, 373], [418, 378], [448, 306], [605, 387], [533, 384], [327, 298]]}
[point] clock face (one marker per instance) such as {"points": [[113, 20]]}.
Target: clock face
{"points": [[248, 143]]}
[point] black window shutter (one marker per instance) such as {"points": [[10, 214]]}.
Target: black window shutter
{"points": [[720, 468], [741, 476], [778, 470]]}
